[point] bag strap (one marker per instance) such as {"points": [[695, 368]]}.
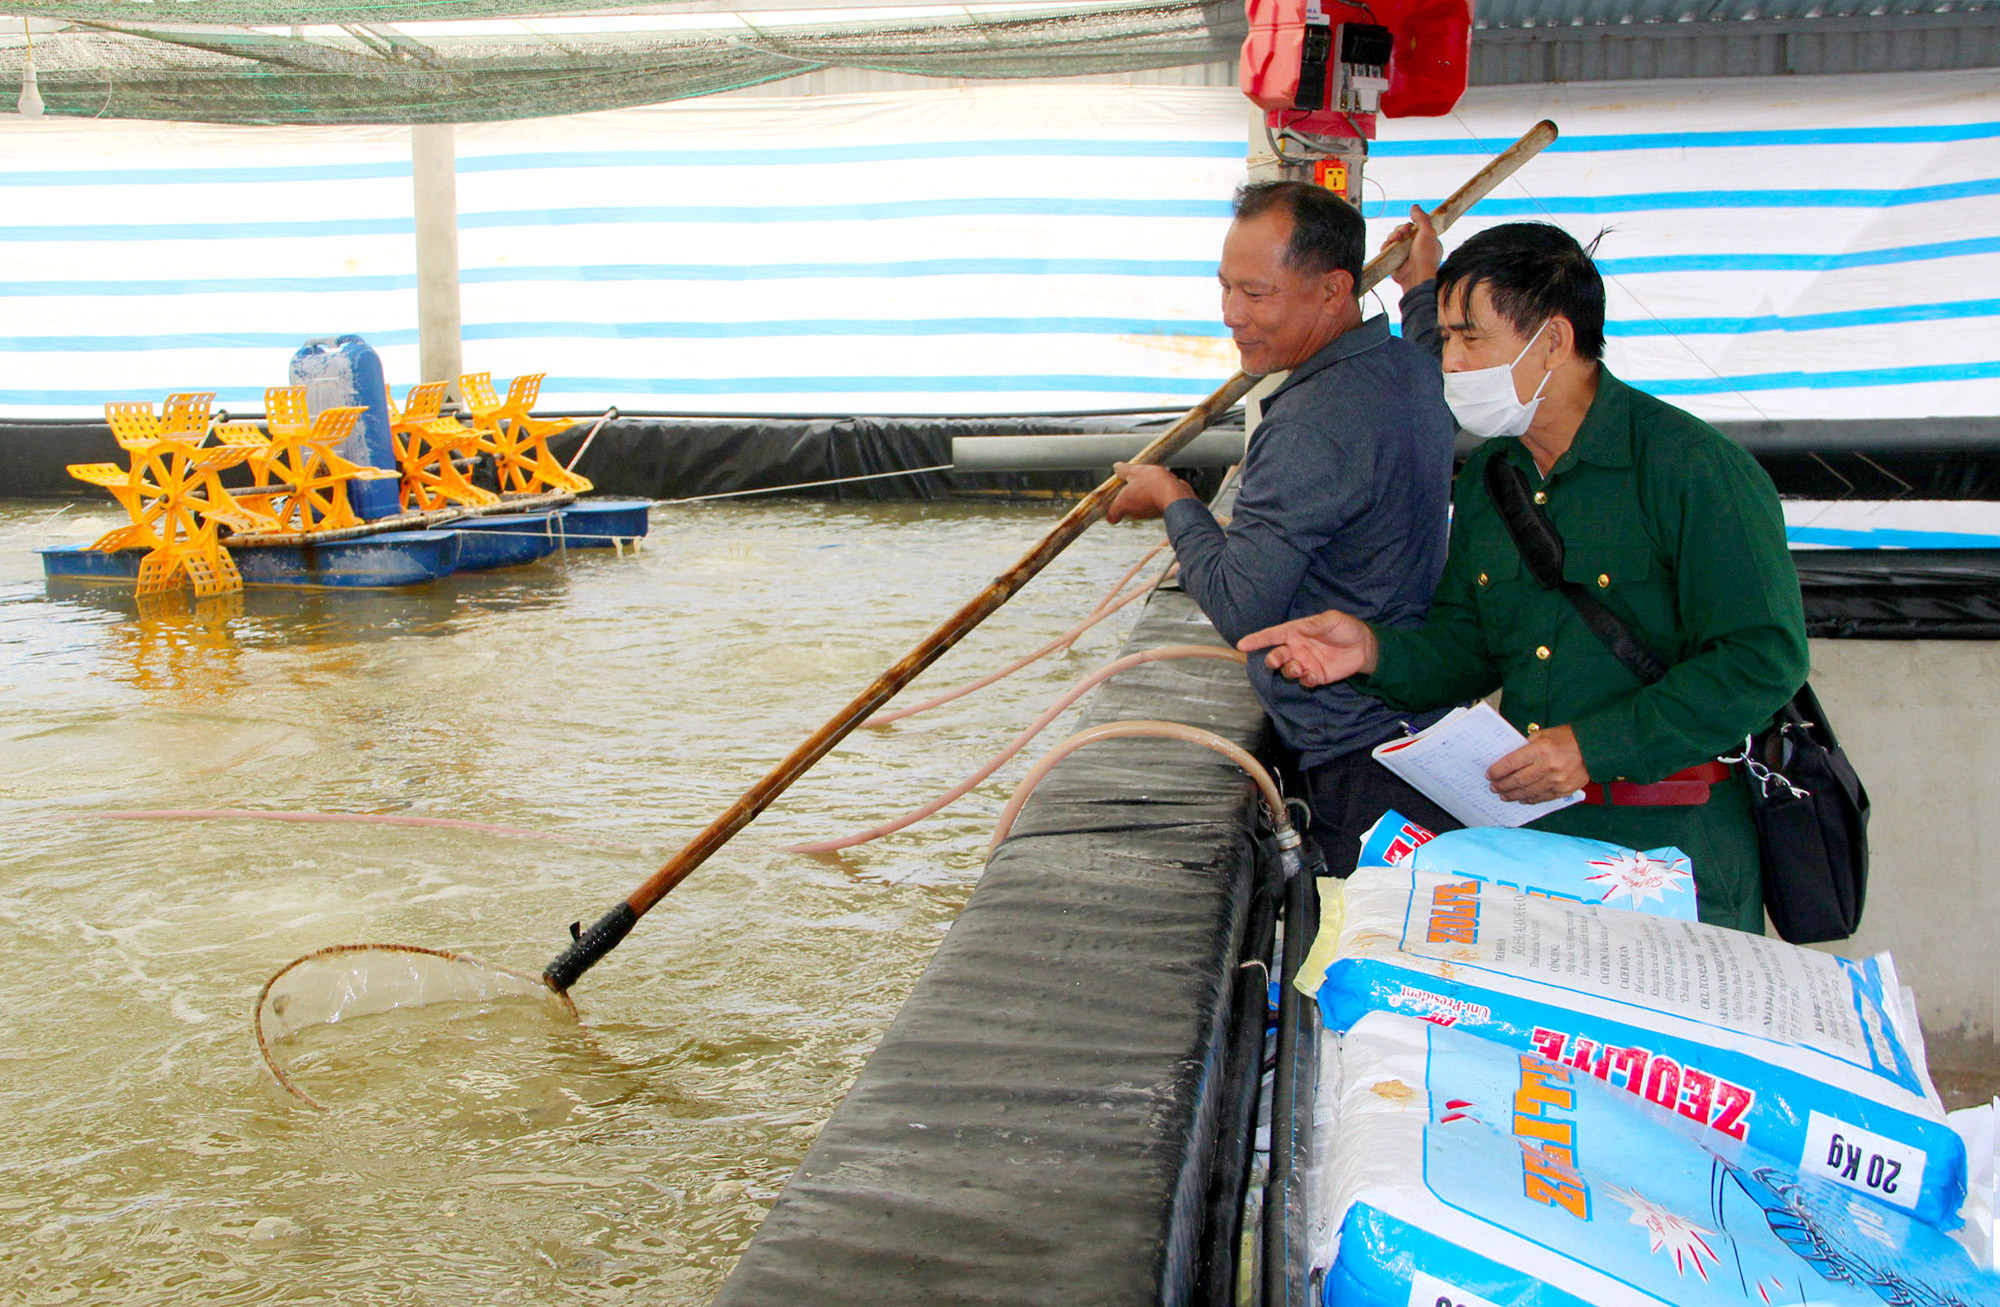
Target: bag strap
{"points": [[1541, 549]]}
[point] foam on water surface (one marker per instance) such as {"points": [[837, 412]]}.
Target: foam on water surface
{"points": [[501, 1154]]}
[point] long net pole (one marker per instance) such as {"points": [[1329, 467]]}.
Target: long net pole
{"points": [[588, 945]]}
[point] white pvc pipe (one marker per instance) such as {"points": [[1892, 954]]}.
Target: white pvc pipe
{"points": [[1078, 453], [1020, 742], [1274, 802]]}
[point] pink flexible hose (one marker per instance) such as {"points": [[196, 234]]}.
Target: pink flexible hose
{"points": [[1273, 801], [1102, 611], [371, 818], [1113, 592], [1020, 742]]}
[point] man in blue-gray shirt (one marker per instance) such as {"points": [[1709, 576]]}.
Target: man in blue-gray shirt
{"points": [[1344, 492]]}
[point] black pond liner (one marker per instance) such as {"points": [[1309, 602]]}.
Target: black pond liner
{"points": [[1900, 594], [1849, 594], [669, 457], [1039, 1122]]}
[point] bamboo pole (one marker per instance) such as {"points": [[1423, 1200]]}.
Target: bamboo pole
{"points": [[588, 945]]}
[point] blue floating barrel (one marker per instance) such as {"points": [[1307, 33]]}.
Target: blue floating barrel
{"points": [[83, 562], [603, 523], [391, 558], [345, 372], [509, 540]]}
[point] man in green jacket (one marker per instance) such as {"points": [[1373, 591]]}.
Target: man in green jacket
{"points": [[1673, 527]]}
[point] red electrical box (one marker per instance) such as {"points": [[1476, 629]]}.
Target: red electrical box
{"points": [[1327, 66]]}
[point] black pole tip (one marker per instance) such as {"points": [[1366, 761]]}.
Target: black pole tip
{"points": [[587, 946]]}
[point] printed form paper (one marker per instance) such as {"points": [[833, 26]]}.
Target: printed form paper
{"points": [[1447, 763]]}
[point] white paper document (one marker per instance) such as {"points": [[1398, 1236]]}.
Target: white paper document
{"points": [[1447, 762]]}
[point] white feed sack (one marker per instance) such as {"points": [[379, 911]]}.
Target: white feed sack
{"points": [[1813, 1060], [1462, 1172]]}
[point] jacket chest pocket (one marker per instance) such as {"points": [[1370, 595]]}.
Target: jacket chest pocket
{"points": [[1494, 563], [1633, 585], [1501, 586], [1608, 568]]}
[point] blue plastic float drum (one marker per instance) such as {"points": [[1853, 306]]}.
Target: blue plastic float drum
{"points": [[504, 540], [345, 372], [604, 523], [393, 558]]}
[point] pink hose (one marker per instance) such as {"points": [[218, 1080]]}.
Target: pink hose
{"points": [[1112, 593], [371, 818], [1102, 611], [1054, 711], [1273, 801]]}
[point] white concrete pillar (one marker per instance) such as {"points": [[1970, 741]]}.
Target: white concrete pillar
{"points": [[1920, 720], [434, 178], [1260, 165]]}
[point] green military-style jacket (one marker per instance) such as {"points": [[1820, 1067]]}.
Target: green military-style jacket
{"points": [[1680, 533]]}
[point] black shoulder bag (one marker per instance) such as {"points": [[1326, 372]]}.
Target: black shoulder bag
{"points": [[1810, 808]]}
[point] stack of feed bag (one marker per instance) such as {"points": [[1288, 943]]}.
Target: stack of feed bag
{"points": [[1529, 1096]]}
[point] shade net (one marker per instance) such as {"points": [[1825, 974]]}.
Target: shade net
{"points": [[399, 63]]}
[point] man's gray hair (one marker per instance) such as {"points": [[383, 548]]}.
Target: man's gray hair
{"points": [[1328, 234]]}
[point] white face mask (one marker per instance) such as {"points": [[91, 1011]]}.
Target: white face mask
{"points": [[1484, 401]]}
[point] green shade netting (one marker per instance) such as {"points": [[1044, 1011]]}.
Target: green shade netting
{"points": [[181, 62]]}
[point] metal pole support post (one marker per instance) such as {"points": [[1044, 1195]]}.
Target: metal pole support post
{"points": [[1262, 165], [1294, 1089], [1236, 1114], [434, 180]]}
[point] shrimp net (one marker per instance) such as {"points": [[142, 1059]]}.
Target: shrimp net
{"points": [[374, 984]]}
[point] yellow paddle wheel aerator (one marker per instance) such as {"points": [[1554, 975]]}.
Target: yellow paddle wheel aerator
{"points": [[173, 494], [518, 441], [301, 482], [428, 449]]}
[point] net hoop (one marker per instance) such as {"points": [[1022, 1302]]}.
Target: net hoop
{"points": [[560, 1000]]}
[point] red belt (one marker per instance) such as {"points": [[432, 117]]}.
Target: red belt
{"points": [[1682, 789]]}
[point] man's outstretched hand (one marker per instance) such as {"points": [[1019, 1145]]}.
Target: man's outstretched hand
{"points": [[1317, 650]]}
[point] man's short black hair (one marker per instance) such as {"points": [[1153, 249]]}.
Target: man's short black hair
{"points": [[1328, 234], [1532, 271]]}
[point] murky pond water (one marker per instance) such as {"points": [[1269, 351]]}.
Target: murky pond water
{"points": [[602, 708]]}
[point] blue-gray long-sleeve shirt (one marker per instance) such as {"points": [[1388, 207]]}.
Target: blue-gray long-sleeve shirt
{"points": [[1343, 503]]}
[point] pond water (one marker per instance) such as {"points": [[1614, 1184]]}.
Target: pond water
{"points": [[599, 708]]}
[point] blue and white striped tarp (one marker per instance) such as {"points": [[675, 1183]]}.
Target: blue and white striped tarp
{"points": [[1805, 248], [1010, 249], [1814, 247], [1892, 524]]}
